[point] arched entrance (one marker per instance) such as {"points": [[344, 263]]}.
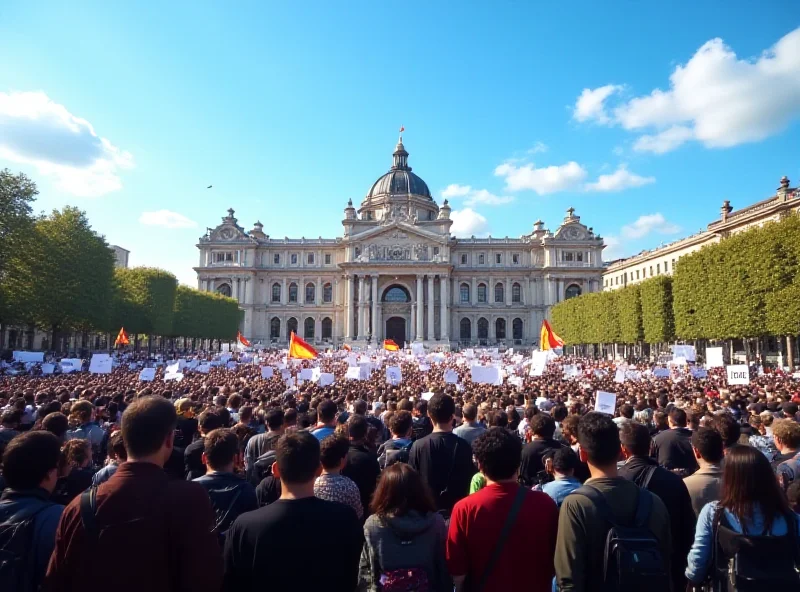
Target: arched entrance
{"points": [[396, 330]]}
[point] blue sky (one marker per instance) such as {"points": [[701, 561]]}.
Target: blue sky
{"points": [[644, 116]]}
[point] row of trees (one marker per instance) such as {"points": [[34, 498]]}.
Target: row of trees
{"points": [[57, 274], [745, 286]]}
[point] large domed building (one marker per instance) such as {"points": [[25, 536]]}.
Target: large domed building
{"points": [[397, 272]]}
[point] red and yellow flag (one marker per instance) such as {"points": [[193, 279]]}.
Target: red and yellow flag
{"points": [[548, 338], [122, 338], [240, 338], [390, 345], [346, 347], [300, 349]]}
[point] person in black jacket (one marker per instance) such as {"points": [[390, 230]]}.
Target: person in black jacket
{"points": [[208, 421], [542, 446], [362, 464], [673, 448], [230, 494], [646, 473]]}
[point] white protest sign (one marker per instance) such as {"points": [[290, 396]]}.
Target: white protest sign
{"points": [[204, 368], [315, 374], [486, 375], [100, 364], [173, 368], [417, 348], [684, 351], [353, 373], [661, 372], [451, 376], [231, 365], [424, 367], [426, 396], [605, 402], [177, 376], [326, 378], [571, 371], [193, 364], [147, 374], [306, 374], [267, 372], [290, 381], [516, 381], [352, 360], [71, 365], [738, 374], [619, 375], [394, 375], [714, 357], [48, 368], [469, 353], [26, 356], [286, 374], [538, 364], [633, 375], [698, 372]]}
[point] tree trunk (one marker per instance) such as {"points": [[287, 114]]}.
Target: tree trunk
{"points": [[790, 352], [54, 339]]}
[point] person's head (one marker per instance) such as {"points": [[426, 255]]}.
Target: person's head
{"points": [[208, 421], [31, 460], [245, 414], [360, 407], [77, 453], [220, 448], [569, 428], [333, 453], [326, 411], [116, 447], [400, 425], [748, 482], [275, 419], [234, 401], [400, 490], [635, 440], [441, 409], [786, 434], [290, 417], [677, 418], [357, 428], [707, 445], [81, 412], [298, 459], [498, 453], [660, 420], [559, 412], [470, 412], [598, 436], [626, 411], [57, 424], [728, 428], [543, 426], [148, 429], [565, 461]]}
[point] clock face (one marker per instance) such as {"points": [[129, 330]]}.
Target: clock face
{"points": [[573, 233]]}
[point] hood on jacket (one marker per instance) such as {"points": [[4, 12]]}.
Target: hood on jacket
{"points": [[411, 524]]}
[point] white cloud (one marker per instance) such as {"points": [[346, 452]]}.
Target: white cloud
{"points": [[475, 196], [664, 141], [538, 147], [456, 190], [545, 180], [614, 248], [43, 133], [591, 104], [167, 219], [647, 224], [619, 180], [468, 222]]}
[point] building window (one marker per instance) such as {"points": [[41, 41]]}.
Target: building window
{"points": [[498, 258], [516, 329], [396, 294], [625, 278], [499, 296], [463, 259], [482, 293], [483, 328], [308, 328], [225, 290], [464, 290], [291, 327], [572, 291], [500, 329], [276, 292], [673, 265], [567, 256], [327, 293], [222, 257], [666, 266], [327, 328], [658, 269], [515, 259], [276, 259], [293, 258], [637, 274], [651, 271], [357, 252], [327, 258], [605, 283], [275, 328], [481, 259], [292, 292], [579, 256], [311, 294], [435, 250], [516, 293], [465, 329], [310, 258]]}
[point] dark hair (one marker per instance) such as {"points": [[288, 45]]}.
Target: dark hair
{"points": [[326, 411], [470, 411], [599, 438], [220, 447], [497, 419], [400, 423], [793, 495], [357, 427], [678, 417], [56, 423], [565, 460], [116, 446], [569, 427], [660, 419], [441, 408], [626, 411], [290, 417], [748, 482], [728, 428], [543, 425], [298, 455], [531, 411], [146, 423], [498, 453], [275, 419], [636, 438], [76, 452], [209, 420], [360, 407], [709, 444], [29, 457], [400, 490], [332, 450], [559, 412]]}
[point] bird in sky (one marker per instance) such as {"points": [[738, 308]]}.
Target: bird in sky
{"points": [[209, 187]]}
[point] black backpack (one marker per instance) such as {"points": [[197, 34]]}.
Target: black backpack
{"points": [[17, 538], [632, 560], [262, 467], [743, 563]]}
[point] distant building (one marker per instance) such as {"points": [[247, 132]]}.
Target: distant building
{"points": [[662, 260], [120, 256]]}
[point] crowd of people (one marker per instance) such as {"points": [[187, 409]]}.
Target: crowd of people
{"points": [[223, 479]]}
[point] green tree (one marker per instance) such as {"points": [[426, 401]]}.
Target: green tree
{"points": [[658, 324], [17, 193], [144, 300], [629, 306]]}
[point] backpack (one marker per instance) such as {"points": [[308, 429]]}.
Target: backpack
{"points": [[17, 539], [262, 467], [743, 562], [391, 456], [787, 471], [632, 558], [414, 579]]}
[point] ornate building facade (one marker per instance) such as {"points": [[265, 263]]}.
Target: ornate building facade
{"points": [[397, 272]]}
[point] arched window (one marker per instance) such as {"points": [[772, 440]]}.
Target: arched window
{"points": [[500, 328], [482, 293], [225, 290], [327, 293], [483, 328], [396, 294], [308, 328], [292, 292], [311, 293], [275, 328], [466, 329], [276, 292], [499, 295], [327, 328], [516, 328], [464, 289], [516, 293], [572, 291], [291, 327]]}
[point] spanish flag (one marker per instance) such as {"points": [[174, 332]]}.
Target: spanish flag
{"points": [[390, 345], [240, 338], [346, 347], [122, 338], [300, 349], [548, 338]]}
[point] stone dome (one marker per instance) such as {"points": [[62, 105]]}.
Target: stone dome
{"points": [[399, 180]]}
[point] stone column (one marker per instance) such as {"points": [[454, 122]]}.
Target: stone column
{"points": [[508, 292], [319, 291], [284, 292], [374, 285], [412, 334], [474, 327], [444, 314], [318, 328], [361, 307], [420, 309], [252, 297], [431, 333], [527, 297], [474, 293], [348, 322], [492, 332]]}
